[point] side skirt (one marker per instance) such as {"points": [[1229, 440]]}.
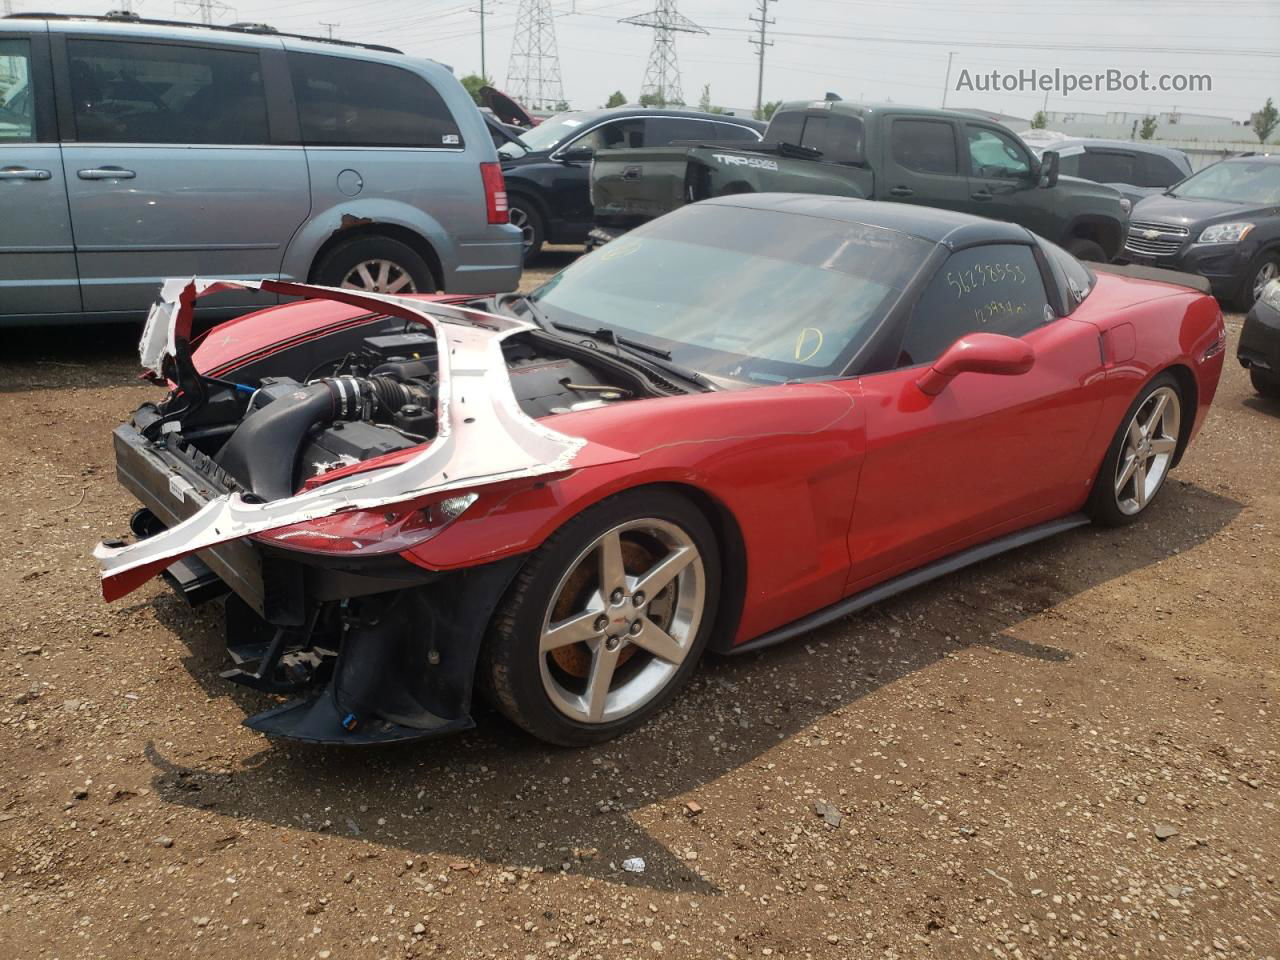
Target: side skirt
{"points": [[915, 578]]}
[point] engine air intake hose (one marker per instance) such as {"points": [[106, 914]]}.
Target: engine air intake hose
{"points": [[263, 451]]}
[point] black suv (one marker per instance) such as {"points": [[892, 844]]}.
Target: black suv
{"points": [[1222, 223], [548, 167]]}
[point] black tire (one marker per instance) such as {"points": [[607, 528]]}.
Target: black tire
{"points": [[511, 665], [1245, 298], [526, 216], [336, 265], [1265, 382], [1083, 248], [1103, 505]]}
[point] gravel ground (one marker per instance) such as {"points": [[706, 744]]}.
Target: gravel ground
{"points": [[1070, 751]]}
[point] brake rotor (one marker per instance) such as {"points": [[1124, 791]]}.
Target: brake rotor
{"points": [[575, 659]]}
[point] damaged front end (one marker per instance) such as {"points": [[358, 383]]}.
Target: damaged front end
{"points": [[297, 475]]}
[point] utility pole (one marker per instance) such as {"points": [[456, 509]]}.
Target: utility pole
{"points": [[760, 45], [207, 9], [946, 84], [6, 8], [662, 74], [481, 10], [329, 27], [533, 73]]}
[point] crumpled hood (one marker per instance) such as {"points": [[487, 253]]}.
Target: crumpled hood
{"points": [[483, 437]]}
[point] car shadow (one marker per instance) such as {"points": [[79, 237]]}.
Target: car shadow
{"points": [[496, 796], [1269, 405]]}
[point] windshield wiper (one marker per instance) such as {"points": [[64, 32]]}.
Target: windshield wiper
{"points": [[657, 356]]}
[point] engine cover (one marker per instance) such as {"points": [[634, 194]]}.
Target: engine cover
{"points": [[341, 444]]}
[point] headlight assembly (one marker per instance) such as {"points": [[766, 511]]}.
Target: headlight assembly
{"points": [[1225, 232]]}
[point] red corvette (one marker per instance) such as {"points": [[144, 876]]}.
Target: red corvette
{"points": [[738, 422]]}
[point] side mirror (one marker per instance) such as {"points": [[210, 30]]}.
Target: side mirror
{"points": [[1049, 168], [578, 153], [977, 353]]}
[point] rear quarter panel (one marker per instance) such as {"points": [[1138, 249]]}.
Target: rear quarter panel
{"points": [[1149, 327]]}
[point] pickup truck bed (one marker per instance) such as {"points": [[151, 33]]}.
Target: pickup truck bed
{"points": [[632, 186]]}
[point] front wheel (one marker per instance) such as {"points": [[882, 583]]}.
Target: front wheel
{"points": [[606, 621], [1264, 269], [522, 214], [1265, 382], [1140, 455]]}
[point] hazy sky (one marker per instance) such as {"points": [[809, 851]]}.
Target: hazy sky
{"points": [[861, 49]]}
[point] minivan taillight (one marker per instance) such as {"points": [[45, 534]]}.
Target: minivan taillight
{"points": [[495, 193]]}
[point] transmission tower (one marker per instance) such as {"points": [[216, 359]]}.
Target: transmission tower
{"points": [[662, 75], [207, 9], [533, 75], [761, 44]]}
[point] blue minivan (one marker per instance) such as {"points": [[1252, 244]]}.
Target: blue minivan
{"points": [[133, 151]]}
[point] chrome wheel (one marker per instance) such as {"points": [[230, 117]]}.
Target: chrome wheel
{"points": [[379, 276], [621, 620], [1149, 446], [518, 218], [1269, 271]]}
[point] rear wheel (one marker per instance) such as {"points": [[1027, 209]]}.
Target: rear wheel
{"points": [[1140, 456], [375, 265], [1083, 248], [606, 621], [1265, 382]]}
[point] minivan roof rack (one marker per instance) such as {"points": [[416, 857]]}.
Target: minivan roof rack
{"points": [[260, 29]]}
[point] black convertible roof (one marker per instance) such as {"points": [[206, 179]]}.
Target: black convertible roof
{"points": [[927, 223]]}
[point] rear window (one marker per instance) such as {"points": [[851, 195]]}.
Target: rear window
{"points": [[927, 146], [356, 103], [166, 93], [17, 118], [1105, 166], [839, 138]]}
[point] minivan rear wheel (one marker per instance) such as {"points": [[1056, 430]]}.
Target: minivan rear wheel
{"points": [[375, 265]]}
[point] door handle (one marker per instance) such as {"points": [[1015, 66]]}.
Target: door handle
{"points": [[982, 195], [24, 173], [106, 173], [902, 192], [632, 173]]}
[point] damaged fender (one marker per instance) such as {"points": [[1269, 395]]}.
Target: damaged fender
{"points": [[483, 437]]}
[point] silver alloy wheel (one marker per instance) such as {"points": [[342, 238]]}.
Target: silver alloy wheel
{"points": [[518, 218], [636, 614], [379, 276], [1270, 270], [1149, 446]]}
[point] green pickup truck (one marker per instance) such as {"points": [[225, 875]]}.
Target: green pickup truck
{"points": [[937, 158]]}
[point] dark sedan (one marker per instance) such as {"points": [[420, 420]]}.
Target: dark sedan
{"points": [[548, 168], [1222, 223], [1259, 348]]}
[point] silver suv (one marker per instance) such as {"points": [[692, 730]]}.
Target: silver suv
{"points": [[134, 151]]}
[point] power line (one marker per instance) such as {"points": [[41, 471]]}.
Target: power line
{"points": [[533, 74], [761, 44], [207, 9], [662, 74]]}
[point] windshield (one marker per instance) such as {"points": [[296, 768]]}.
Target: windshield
{"points": [[741, 293], [1237, 181], [549, 134]]}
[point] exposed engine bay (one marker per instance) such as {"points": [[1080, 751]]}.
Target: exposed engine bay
{"points": [[295, 471], [278, 422]]}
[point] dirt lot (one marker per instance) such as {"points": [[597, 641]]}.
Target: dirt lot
{"points": [[1067, 752]]}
